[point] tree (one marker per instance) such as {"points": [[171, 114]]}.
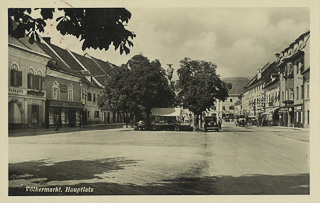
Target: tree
{"points": [[199, 86], [96, 27], [140, 85]]}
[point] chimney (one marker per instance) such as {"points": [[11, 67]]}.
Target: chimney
{"points": [[277, 57], [47, 39]]}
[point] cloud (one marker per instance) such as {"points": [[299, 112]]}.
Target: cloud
{"points": [[238, 40]]}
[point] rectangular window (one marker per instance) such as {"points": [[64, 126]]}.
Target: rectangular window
{"points": [[16, 78], [88, 114], [89, 96], [297, 93], [70, 95], [307, 91], [301, 92], [230, 100], [94, 97], [55, 93], [96, 114], [223, 108], [291, 95], [283, 96]]}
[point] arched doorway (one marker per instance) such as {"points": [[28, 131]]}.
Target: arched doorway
{"points": [[16, 114]]}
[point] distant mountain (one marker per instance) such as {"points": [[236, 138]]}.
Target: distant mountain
{"points": [[238, 83]]}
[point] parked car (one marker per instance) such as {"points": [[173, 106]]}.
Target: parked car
{"points": [[140, 125], [212, 123], [242, 122]]}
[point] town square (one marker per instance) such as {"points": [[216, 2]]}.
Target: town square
{"points": [[113, 101]]}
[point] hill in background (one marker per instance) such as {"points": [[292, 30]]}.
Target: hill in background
{"points": [[238, 83]]}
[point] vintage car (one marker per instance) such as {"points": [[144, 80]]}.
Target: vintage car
{"points": [[212, 123]]}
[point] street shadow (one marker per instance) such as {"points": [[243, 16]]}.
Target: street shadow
{"points": [[66, 170], [293, 184]]}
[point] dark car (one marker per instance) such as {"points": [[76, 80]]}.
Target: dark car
{"points": [[212, 123]]}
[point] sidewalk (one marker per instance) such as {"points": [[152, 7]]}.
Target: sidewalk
{"points": [[44, 131], [302, 134]]}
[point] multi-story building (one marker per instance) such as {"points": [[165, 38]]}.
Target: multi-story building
{"points": [[306, 97], [293, 61], [27, 94], [253, 99], [63, 107], [95, 73], [227, 109], [272, 97]]}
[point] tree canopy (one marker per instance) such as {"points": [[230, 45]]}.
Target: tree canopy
{"points": [[139, 85], [199, 85], [96, 27]]}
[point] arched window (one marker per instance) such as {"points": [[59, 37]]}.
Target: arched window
{"points": [[16, 75], [31, 78], [70, 92], [55, 90]]}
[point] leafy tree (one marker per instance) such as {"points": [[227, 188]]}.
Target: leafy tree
{"points": [[199, 86], [96, 27], [138, 86]]}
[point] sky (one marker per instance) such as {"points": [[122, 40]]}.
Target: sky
{"points": [[238, 40]]}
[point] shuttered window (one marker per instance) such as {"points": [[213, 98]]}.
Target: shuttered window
{"points": [[16, 78]]}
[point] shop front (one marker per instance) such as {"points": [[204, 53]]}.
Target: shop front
{"points": [[63, 113], [298, 116], [286, 116]]}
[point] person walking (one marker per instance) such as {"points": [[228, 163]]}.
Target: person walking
{"points": [[57, 124]]}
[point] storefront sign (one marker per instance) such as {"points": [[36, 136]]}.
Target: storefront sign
{"points": [[65, 104], [19, 91]]}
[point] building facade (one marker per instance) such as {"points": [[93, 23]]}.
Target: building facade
{"points": [[272, 97], [294, 60], [306, 97], [63, 106], [27, 92]]}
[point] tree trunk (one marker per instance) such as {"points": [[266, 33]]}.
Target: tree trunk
{"points": [[148, 112], [196, 122]]}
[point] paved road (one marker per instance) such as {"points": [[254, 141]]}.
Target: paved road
{"points": [[236, 160]]}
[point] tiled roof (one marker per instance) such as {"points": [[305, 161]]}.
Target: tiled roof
{"points": [[56, 63], [65, 55], [272, 82], [93, 67], [265, 75]]}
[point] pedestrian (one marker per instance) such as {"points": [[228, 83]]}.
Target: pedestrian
{"points": [[57, 124]]}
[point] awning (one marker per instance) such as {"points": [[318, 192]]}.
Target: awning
{"points": [[166, 112]]}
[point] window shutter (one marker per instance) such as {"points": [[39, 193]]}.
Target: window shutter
{"points": [[43, 82], [19, 78], [40, 82], [36, 81], [29, 81], [13, 77]]}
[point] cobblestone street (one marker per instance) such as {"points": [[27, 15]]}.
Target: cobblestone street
{"points": [[236, 160]]}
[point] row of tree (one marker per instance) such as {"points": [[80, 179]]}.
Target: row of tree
{"points": [[140, 85]]}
